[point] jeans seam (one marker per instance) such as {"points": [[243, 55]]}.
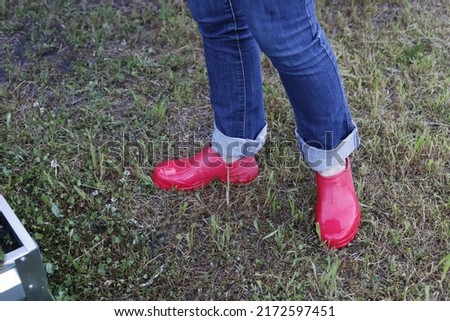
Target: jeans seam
{"points": [[309, 18], [242, 66], [308, 14]]}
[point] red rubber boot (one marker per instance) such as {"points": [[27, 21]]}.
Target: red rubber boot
{"points": [[337, 212], [198, 171]]}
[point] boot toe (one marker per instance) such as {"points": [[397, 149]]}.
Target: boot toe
{"points": [[339, 233]]}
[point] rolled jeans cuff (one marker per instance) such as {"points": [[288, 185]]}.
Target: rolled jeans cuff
{"points": [[233, 147], [321, 159]]}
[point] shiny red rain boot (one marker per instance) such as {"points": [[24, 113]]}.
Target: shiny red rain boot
{"points": [[337, 211], [198, 171]]}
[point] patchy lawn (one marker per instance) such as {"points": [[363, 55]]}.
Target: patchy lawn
{"points": [[94, 93]]}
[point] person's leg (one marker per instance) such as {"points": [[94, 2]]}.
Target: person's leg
{"points": [[288, 32], [235, 80], [234, 72]]}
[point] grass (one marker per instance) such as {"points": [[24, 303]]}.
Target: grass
{"points": [[94, 93]]}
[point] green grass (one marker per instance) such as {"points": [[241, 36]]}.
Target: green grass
{"points": [[93, 94]]}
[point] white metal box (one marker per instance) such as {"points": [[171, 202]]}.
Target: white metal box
{"points": [[22, 274]]}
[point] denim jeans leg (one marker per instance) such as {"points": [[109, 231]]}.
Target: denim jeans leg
{"points": [[288, 32], [234, 72]]}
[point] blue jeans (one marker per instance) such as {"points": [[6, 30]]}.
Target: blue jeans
{"points": [[234, 32]]}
